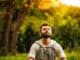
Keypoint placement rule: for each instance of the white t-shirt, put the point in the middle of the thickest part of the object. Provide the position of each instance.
(58, 49)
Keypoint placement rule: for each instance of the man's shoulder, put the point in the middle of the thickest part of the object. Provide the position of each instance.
(55, 43)
(35, 43)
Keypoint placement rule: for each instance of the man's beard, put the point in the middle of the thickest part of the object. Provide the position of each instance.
(45, 36)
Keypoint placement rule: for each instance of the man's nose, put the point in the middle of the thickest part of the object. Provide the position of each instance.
(46, 30)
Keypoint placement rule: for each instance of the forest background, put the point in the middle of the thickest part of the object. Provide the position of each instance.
(20, 21)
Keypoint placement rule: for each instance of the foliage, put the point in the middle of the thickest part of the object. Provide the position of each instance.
(64, 20)
(65, 24)
(73, 55)
(26, 40)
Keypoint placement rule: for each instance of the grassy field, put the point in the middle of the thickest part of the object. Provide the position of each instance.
(17, 57)
(70, 56)
(73, 55)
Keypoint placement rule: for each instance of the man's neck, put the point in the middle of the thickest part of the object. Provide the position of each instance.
(46, 41)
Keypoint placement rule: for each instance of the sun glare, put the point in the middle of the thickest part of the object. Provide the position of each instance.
(71, 2)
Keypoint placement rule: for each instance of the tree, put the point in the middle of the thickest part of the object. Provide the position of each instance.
(16, 26)
(11, 29)
(5, 34)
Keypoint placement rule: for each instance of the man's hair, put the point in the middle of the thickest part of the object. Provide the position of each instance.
(45, 24)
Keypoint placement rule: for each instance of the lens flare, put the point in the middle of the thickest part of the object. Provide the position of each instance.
(71, 2)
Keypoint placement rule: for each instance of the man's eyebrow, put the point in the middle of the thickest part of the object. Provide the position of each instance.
(46, 28)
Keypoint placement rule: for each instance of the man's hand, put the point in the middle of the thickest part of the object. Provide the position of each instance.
(64, 58)
(30, 58)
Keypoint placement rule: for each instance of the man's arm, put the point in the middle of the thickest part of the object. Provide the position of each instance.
(64, 58)
(32, 52)
(60, 52)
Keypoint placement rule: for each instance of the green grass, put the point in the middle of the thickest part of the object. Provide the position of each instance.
(70, 56)
(73, 55)
(17, 57)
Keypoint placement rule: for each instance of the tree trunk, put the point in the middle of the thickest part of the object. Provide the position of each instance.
(5, 33)
(17, 25)
(13, 42)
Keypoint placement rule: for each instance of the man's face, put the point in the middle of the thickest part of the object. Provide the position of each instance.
(46, 32)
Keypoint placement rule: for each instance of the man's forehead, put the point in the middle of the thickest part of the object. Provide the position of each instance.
(46, 27)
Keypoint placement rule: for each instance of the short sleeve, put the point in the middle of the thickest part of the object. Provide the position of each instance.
(59, 51)
(32, 52)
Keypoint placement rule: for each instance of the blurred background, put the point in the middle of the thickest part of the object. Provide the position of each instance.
(20, 21)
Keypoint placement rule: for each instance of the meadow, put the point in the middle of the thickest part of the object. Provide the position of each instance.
(73, 55)
(70, 56)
